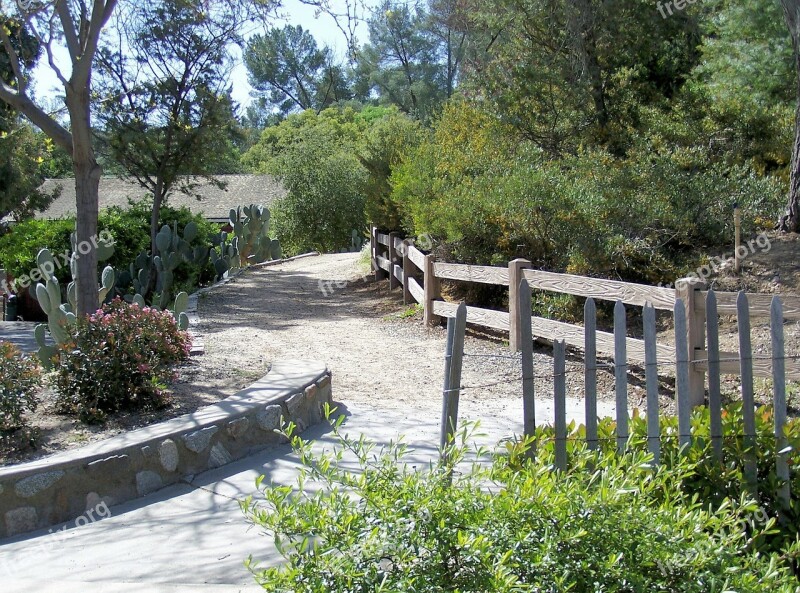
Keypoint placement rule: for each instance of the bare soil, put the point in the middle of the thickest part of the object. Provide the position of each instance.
(328, 308)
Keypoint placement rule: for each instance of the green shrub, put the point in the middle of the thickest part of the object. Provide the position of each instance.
(20, 378)
(118, 359)
(130, 228)
(611, 523)
(711, 480)
(20, 245)
(334, 165)
(488, 196)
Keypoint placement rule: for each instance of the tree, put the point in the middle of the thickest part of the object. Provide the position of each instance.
(570, 73)
(402, 59)
(292, 72)
(166, 112)
(75, 26)
(791, 220)
(20, 174)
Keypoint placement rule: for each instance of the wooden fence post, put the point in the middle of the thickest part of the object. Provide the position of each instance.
(528, 393)
(515, 268)
(408, 298)
(373, 247)
(432, 291)
(393, 282)
(779, 403)
(687, 290)
(456, 329)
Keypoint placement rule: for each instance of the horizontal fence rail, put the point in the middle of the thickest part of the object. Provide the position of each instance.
(420, 277)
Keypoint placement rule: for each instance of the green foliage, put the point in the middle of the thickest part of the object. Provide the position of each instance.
(713, 480)
(19, 246)
(385, 145)
(119, 358)
(373, 522)
(315, 156)
(292, 72)
(401, 61)
(130, 229)
(21, 156)
(641, 217)
(20, 378)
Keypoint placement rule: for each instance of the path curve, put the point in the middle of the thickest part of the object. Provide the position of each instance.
(328, 308)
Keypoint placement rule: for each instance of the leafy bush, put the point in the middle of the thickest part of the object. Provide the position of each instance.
(118, 359)
(611, 523)
(713, 480)
(20, 377)
(489, 196)
(333, 165)
(130, 228)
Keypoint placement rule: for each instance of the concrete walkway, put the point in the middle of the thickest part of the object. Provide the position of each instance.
(193, 537)
(20, 333)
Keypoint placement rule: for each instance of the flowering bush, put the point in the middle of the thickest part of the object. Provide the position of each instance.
(19, 378)
(120, 358)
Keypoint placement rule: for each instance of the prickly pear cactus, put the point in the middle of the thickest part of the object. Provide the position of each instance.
(60, 316)
(252, 232)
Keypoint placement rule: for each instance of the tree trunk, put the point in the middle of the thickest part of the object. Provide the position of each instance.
(87, 185)
(790, 222)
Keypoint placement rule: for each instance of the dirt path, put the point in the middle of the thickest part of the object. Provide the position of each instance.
(325, 308)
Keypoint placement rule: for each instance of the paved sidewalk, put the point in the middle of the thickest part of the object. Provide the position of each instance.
(21, 334)
(195, 534)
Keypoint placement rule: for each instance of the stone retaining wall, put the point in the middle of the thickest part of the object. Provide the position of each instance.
(63, 487)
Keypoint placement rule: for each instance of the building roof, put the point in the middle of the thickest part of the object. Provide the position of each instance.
(214, 203)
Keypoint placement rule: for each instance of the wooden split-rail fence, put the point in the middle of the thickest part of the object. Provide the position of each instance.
(694, 355)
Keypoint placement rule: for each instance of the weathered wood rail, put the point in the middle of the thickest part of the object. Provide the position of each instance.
(420, 276)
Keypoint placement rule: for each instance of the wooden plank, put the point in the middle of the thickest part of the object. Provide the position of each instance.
(598, 288)
(383, 263)
(560, 403)
(393, 281)
(382, 239)
(481, 274)
(416, 290)
(682, 379)
(762, 365)
(779, 404)
(590, 371)
(573, 335)
(475, 315)
(432, 290)
(398, 274)
(416, 256)
(695, 337)
(760, 304)
(515, 305)
(621, 375)
(405, 272)
(452, 391)
(397, 240)
(651, 380)
(748, 400)
(526, 345)
(714, 392)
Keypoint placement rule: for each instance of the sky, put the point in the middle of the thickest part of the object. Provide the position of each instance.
(293, 12)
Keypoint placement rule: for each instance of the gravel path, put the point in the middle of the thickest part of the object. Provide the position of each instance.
(326, 308)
